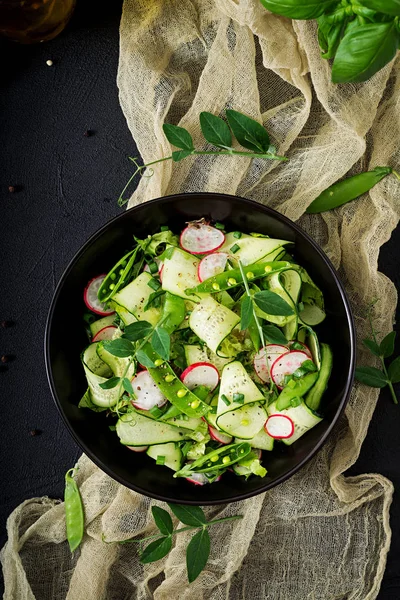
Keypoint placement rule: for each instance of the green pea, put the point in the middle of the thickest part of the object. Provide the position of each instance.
(232, 281)
(112, 286)
(195, 404)
(214, 458)
(113, 275)
(226, 460)
(181, 393)
(168, 378)
(158, 362)
(74, 517)
(215, 286)
(250, 275)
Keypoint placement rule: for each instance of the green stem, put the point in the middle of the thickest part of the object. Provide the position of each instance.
(239, 153)
(396, 174)
(224, 519)
(390, 384)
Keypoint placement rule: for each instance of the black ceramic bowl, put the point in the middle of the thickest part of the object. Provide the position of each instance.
(65, 339)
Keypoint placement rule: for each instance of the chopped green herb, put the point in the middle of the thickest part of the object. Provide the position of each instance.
(238, 398)
(164, 228)
(225, 400)
(160, 460)
(154, 284)
(156, 412)
(234, 248)
(153, 267)
(112, 427)
(219, 226)
(186, 447)
(237, 235)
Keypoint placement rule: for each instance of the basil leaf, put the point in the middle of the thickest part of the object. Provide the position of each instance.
(126, 384)
(248, 132)
(161, 342)
(387, 345)
(364, 50)
(215, 130)
(137, 331)
(162, 520)
(179, 155)
(388, 7)
(372, 347)
(370, 376)
(272, 304)
(197, 554)
(274, 335)
(110, 383)
(394, 370)
(178, 136)
(156, 550)
(144, 360)
(299, 9)
(246, 312)
(189, 515)
(329, 36)
(120, 347)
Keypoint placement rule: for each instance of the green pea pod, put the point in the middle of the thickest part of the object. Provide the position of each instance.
(233, 278)
(117, 277)
(74, 517)
(349, 189)
(174, 308)
(216, 459)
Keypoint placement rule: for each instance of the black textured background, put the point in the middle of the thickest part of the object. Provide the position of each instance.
(68, 185)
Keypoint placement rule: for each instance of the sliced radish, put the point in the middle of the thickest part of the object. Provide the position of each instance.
(90, 297)
(147, 393)
(201, 239)
(287, 364)
(201, 373)
(271, 353)
(105, 334)
(200, 479)
(137, 448)
(159, 264)
(258, 452)
(160, 271)
(211, 265)
(279, 426)
(218, 436)
(304, 348)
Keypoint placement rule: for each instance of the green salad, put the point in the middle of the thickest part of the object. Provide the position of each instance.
(203, 347)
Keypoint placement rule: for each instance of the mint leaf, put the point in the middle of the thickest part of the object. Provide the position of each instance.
(387, 344)
(189, 515)
(137, 331)
(179, 155)
(274, 335)
(246, 312)
(272, 304)
(161, 342)
(178, 136)
(110, 383)
(126, 384)
(156, 550)
(215, 130)
(144, 360)
(372, 347)
(197, 554)
(249, 133)
(162, 520)
(120, 347)
(371, 376)
(394, 370)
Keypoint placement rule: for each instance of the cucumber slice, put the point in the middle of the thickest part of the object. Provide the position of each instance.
(287, 284)
(195, 354)
(313, 344)
(133, 298)
(236, 380)
(173, 457)
(213, 323)
(180, 273)
(313, 398)
(96, 326)
(302, 416)
(117, 365)
(185, 422)
(134, 429)
(252, 249)
(126, 317)
(261, 440)
(243, 422)
(98, 372)
(312, 315)
(94, 363)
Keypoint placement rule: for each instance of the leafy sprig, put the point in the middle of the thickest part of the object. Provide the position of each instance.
(249, 133)
(198, 550)
(386, 376)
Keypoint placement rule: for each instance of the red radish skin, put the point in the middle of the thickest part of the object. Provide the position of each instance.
(159, 264)
(90, 297)
(160, 271)
(280, 427)
(304, 348)
(218, 436)
(105, 334)
(201, 373)
(201, 239)
(286, 364)
(211, 265)
(200, 479)
(273, 351)
(147, 393)
(137, 448)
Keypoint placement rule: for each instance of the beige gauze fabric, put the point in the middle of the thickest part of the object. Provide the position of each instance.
(321, 535)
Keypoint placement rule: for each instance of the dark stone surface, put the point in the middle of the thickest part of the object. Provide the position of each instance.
(66, 188)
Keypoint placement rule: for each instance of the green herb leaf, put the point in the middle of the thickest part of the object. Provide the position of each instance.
(137, 331)
(394, 370)
(161, 342)
(178, 136)
(197, 554)
(274, 335)
(364, 50)
(248, 132)
(329, 36)
(110, 383)
(189, 515)
(126, 384)
(144, 360)
(299, 9)
(308, 366)
(387, 345)
(156, 550)
(162, 519)
(371, 376)
(272, 304)
(372, 347)
(246, 312)
(215, 130)
(179, 155)
(388, 7)
(120, 347)
(154, 300)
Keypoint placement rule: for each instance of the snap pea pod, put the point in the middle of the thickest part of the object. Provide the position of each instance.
(216, 459)
(176, 392)
(117, 276)
(74, 517)
(233, 278)
(173, 312)
(295, 389)
(349, 189)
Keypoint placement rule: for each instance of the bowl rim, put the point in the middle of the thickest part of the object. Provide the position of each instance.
(349, 380)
